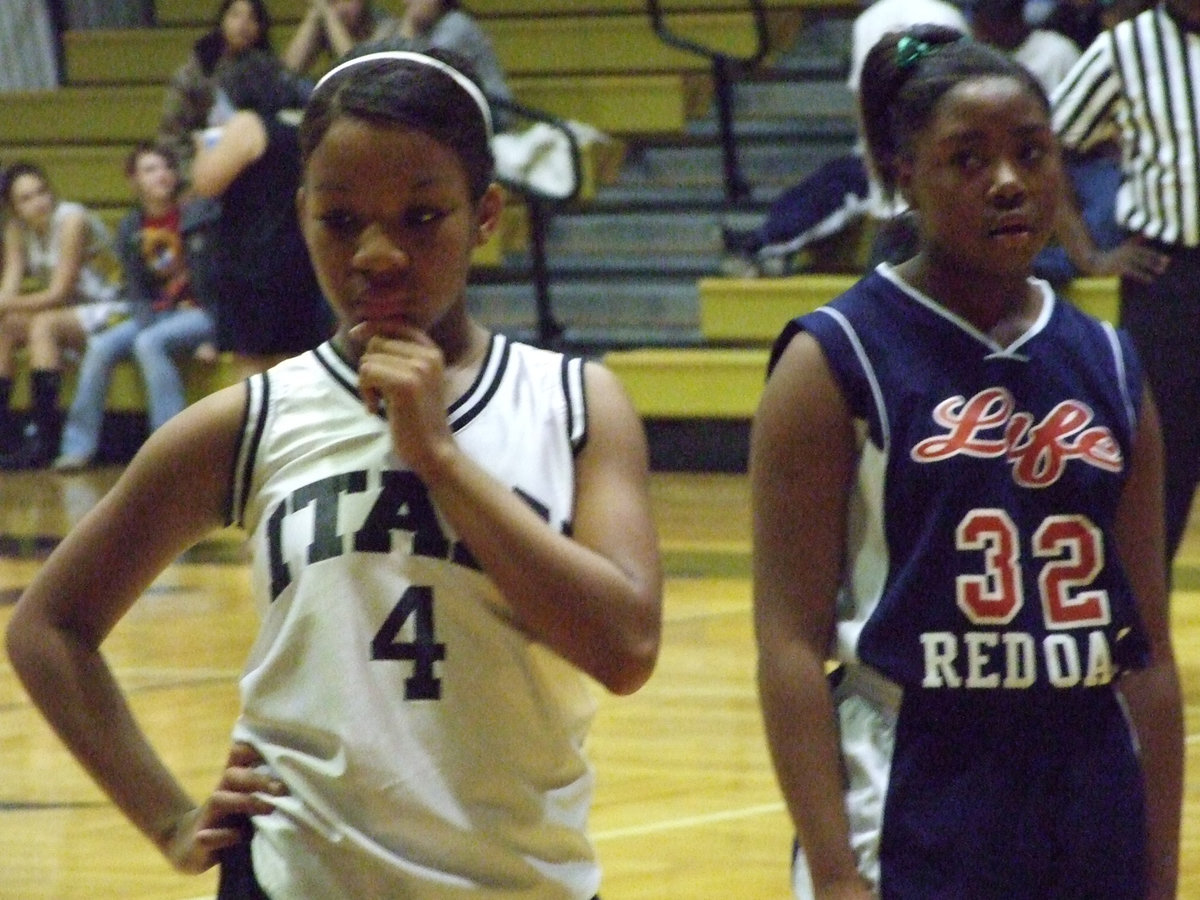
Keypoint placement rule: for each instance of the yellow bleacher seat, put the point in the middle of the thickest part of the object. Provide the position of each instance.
(753, 310)
(189, 12)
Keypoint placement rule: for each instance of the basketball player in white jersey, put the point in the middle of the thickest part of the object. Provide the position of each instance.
(451, 538)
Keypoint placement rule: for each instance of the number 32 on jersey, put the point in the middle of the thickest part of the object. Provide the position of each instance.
(1070, 549)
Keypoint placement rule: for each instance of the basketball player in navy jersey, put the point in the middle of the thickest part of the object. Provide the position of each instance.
(451, 537)
(957, 497)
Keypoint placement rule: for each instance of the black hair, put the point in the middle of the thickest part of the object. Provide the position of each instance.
(10, 175)
(144, 148)
(211, 46)
(409, 94)
(257, 80)
(906, 74)
(997, 10)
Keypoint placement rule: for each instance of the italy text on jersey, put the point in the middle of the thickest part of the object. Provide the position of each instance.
(344, 518)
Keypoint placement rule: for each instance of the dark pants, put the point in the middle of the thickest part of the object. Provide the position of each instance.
(237, 875)
(1163, 318)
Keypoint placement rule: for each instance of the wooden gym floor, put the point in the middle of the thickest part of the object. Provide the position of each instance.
(686, 805)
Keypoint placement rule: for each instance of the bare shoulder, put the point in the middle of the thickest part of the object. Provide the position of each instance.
(612, 418)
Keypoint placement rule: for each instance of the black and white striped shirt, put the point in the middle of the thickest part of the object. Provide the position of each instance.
(1143, 77)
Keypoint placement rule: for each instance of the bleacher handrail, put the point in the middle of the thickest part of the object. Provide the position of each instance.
(658, 21)
(541, 205)
(724, 68)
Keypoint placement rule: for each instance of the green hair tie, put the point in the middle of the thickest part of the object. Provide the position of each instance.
(911, 50)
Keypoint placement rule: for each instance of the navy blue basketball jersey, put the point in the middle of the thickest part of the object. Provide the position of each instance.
(988, 483)
(983, 614)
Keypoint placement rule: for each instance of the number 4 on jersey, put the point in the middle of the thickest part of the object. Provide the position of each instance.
(422, 649)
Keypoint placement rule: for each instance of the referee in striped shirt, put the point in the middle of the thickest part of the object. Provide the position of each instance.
(1142, 78)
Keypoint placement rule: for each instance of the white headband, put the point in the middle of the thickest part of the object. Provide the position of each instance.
(462, 80)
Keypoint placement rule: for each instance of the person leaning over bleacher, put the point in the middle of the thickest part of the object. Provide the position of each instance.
(166, 288)
(193, 101)
(53, 293)
(267, 303)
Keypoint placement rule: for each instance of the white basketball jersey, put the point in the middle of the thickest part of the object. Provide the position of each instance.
(431, 749)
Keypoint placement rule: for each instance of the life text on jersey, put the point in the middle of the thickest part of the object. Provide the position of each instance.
(1068, 550)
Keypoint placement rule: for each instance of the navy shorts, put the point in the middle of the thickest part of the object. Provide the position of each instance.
(237, 875)
(1013, 796)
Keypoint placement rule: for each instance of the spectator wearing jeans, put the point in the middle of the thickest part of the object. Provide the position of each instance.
(55, 290)
(164, 284)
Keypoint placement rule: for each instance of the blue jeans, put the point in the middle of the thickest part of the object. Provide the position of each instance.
(154, 339)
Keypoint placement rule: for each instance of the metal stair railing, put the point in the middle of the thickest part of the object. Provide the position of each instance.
(724, 70)
(542, 205)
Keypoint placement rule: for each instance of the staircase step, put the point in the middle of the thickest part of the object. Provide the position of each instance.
(619, 311)
(771, 166)
(686, 267)
(794, 100)
(683, 200)
(691, 383)
(634, 234)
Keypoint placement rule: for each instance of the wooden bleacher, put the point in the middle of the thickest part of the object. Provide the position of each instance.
(740, 317)
(603, 66)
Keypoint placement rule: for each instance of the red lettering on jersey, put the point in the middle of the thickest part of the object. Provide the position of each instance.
(1038, 452)
(966, 420)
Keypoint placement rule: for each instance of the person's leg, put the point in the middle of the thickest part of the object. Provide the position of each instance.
(40, 438)
(81, 432)
(50, 333)
(158, 348)
(14, 329)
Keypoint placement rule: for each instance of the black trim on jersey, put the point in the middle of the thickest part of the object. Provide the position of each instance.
(574, 388)
(339, 368)
(233, 498)
(251, 440)
(486, 383)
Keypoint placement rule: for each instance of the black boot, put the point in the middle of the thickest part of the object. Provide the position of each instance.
(39, 445)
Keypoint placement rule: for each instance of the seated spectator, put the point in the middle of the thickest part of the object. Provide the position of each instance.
(837, 218)
(192, 103)
(164, 286)
(443, 24)
(817, 225)
(333, 27)
(538, 157)
(54, 292)
(1047, 54)
(267, 302)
